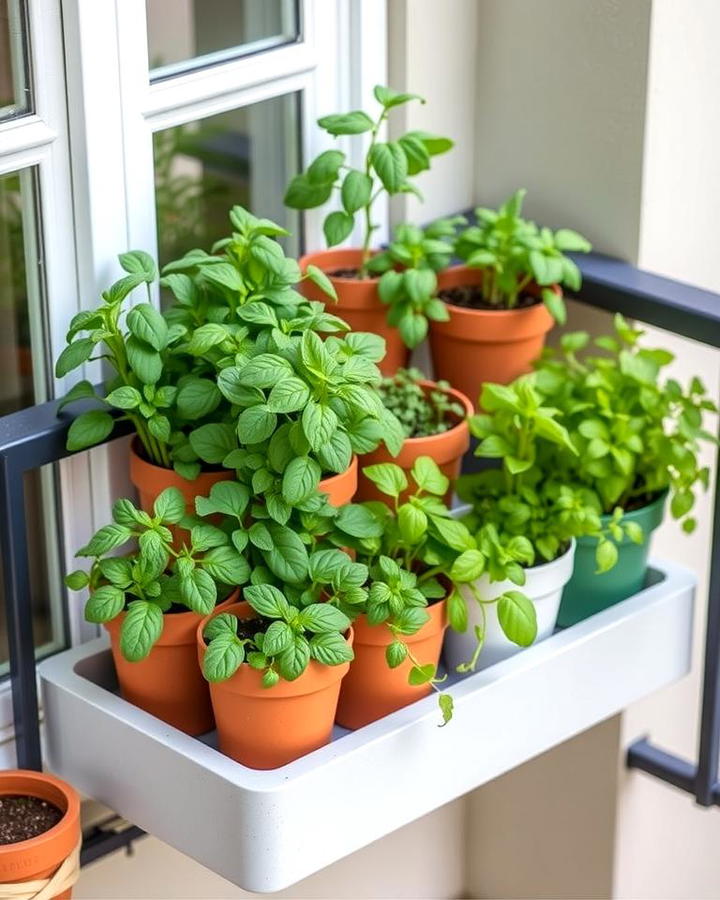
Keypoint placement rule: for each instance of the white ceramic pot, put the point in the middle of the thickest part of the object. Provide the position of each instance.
(543, 585)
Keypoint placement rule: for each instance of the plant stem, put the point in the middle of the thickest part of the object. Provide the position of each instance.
(369, 227)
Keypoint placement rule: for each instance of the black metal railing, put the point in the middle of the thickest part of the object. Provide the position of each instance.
(35, 437)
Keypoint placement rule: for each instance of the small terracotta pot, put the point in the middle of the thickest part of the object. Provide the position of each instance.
(447, 449)
(371, 688)
(151, 480)
(41, 856)
(341, 488)
(359, 303)
(168, 683)
(479, 345)
(264, 728)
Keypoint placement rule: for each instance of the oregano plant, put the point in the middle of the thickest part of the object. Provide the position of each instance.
(388, 166)
(421, 412)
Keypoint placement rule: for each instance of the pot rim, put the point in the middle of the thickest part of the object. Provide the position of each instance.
(306, 260)
(463, 423)
(655, 506)
(510, 313)
(70, 815)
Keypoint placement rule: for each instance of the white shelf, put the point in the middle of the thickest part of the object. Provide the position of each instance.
(267, 830)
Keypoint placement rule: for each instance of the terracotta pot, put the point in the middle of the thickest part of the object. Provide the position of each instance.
(479, 345)
(358, 303)
(41, 856)
(447, 449)
(151, 480)
(371, 688)
(264, 728)
(168, 683)
(341, 488)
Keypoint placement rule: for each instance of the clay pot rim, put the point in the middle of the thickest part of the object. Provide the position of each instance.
(437, 623)
(457, 395)
(335, 478)
(240, 610)
(70, 815)
(307, 260)
(509, 313)
(138, 460)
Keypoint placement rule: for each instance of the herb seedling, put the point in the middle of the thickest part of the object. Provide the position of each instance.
(514, 252)
(421, 413)
(388, 166)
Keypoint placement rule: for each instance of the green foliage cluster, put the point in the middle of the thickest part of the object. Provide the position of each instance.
(388, 167)
(421, 412)
(515, 253)
(153, 578)
(234, 373)
(636, 433)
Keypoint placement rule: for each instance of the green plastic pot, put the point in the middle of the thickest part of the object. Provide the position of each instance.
(588, 593)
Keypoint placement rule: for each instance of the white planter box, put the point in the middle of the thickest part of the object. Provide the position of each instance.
(267, 830)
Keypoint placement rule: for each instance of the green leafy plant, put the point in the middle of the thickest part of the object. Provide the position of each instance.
(148, 581)
(524, 513)
(299, 405)
(388, 166)
(515, 253)
(637, 434)
(280, 642)
(420, 412)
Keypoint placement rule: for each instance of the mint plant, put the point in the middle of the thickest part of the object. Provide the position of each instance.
(388, 166)
(636, 433)
(148, 581)
(514, 253)
(420, 413)
(280, 643)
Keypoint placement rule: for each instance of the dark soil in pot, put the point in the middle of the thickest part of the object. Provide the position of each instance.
(23, 818)
(469, 296)
(350, 273)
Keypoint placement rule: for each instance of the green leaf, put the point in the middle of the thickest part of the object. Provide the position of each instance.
(293, 661)
(325, 167)
(289, 395)
(170, 505)
(322, 617)
(467, 567)
(413, 328)
(289, 557)
(223, 657)
(417, 156)
(517, 618)
(396, 654)
(330, 649)
(224, 623)
(388, 478)
(212, 442)
(555, 305)
(319, 423)
(304, 194)
(390, 163)
(570, 241)
(199, 592)
(83, 390)
(226, 497)
(606, 555)
(446, 704)
(421, 674)
(452, 533)
(225, 275)
(197, 398)
(300, 479)
(388, 98)
(107, 538)
(104, 604)
(359, 521)
(336, 455)
(356, 191)
(278, 638)
(355, 122)
(433, 143)
(457, 611)
(205, 536)
(140, 630)
(256, 424)
(412, 524)
(138, 262)
(148, 325)
(125, 397)
(145, 362)
(337, 226)
(267, 600)
(205, 338)
(428, 476)
(319, 278)
(88, 429)
(77, 580)
(74, 355)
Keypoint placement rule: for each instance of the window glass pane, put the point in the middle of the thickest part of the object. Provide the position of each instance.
(187, 34)
(22, 369)
(202, 169)
(14, 76)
